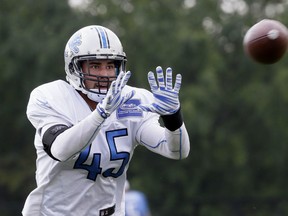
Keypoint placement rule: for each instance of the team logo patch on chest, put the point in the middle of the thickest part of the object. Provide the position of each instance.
(129, 109)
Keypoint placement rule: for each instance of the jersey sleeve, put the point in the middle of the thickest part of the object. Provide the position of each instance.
(44, 113)
(41, 114)
(158, 139)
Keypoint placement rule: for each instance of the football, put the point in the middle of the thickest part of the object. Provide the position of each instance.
(266, 41)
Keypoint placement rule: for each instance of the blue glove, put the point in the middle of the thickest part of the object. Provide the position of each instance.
(166, 98)
(114, 97)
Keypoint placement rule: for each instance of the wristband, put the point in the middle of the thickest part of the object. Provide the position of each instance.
(174, 121)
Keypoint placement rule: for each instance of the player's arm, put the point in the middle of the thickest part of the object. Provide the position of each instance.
(62, 142)
(172, 144)
(173, 140)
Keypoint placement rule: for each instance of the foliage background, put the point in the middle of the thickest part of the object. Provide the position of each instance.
(234, 108)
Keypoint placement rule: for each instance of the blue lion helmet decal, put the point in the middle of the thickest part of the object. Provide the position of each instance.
(75, 42)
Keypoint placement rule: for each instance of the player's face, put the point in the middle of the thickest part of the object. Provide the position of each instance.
(98, 73)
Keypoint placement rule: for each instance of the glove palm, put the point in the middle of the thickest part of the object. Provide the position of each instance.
(166, 98)
(115, 97)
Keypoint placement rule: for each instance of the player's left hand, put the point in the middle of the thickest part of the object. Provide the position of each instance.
(166, 98)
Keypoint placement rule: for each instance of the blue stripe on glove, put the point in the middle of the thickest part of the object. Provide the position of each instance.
(166, 98)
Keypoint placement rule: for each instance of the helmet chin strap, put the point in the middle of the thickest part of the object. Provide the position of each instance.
(96, 97)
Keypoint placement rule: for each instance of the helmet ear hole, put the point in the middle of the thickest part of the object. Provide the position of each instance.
(71, 68)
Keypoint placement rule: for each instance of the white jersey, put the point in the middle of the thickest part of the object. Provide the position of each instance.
(94, 178)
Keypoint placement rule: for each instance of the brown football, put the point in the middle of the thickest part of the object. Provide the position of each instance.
(266, 41)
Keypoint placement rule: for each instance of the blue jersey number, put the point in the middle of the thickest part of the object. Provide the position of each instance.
(94, 168)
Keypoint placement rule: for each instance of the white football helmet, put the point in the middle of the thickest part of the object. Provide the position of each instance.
(92, 43)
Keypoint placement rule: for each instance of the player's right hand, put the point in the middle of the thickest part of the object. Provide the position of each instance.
(115, 97)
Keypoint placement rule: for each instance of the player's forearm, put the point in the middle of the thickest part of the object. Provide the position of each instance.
(76, 138)
(176, 135)
(171, 144)
(178, 142)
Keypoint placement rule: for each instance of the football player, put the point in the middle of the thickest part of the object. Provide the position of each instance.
(136, 203)
(88, 127)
